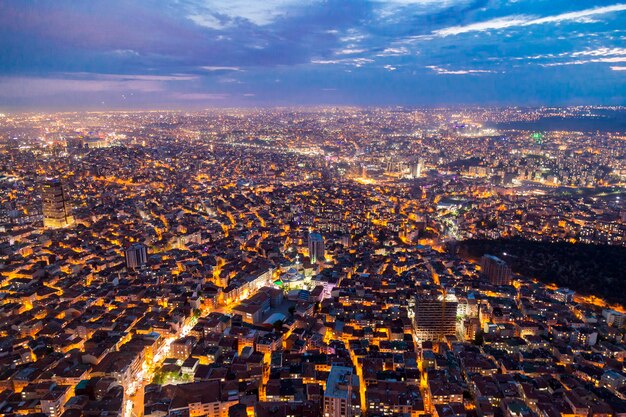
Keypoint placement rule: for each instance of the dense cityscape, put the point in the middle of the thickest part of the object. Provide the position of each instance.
(322, 261)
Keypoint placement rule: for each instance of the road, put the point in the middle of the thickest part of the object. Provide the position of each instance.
(134, 395)
(359, 372)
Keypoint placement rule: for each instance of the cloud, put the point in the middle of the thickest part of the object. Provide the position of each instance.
(618, 68)
(499, 23)
(209, 21)
(349, 51)
(220, 68)
(356, 62)
(394, 51)
(125, 52)
(600, 52)
(615, 59)
(445, 71)
(596, 55)
(230, 80)
(220, 14)
(207, 49)
(353, 35)
(581, 16)
(395, 9)
(327, 61)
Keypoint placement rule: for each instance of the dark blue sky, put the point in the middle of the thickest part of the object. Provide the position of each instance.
(89, 54)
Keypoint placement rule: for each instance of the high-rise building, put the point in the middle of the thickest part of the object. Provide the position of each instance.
(415, 168)
(56, 209)
(420, 167)
(342, 395)
(496, 270)
(136, 255)
(316, 247)
(435, 316)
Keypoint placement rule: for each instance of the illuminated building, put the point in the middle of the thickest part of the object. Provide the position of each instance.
(435, 316)
(316, 247)
(564, 295)
(614, 318)
(136, 255)
(496, 270)
(56, 208)
(416, 168)
(341, 398)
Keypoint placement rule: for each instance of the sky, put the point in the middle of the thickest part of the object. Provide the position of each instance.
(158, 54)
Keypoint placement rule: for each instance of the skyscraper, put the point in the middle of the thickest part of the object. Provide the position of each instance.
(136, 255)
(415, 168)
(435, 316)
(56, 208)
(496, 270)
(316, 247)
(342, 395)
(420, 167)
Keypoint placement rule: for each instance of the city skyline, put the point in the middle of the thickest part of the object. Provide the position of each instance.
(314, 208)
(199, 54)
(335, 262)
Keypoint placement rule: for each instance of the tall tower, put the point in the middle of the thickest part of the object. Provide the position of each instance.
(435, 316)
(416, 168)
(136, 255)
(420, 168)
(56, 209)
(496, 270)
(316, 247)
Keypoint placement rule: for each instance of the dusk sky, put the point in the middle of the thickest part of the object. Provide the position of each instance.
(116, 54)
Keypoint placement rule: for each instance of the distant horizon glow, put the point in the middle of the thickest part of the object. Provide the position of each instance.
(195, 54)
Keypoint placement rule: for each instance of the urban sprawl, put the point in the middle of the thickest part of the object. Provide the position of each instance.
(302, 262)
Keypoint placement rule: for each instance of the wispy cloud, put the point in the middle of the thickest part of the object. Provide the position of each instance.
(600, 52)
(581, 16)
(327, 61)
(356, 62)
(349, 51)
(397, 51)
(219, 14)
(208, 21)
(615, 59)
(220, 68)
(499, 23)
(444, 71)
